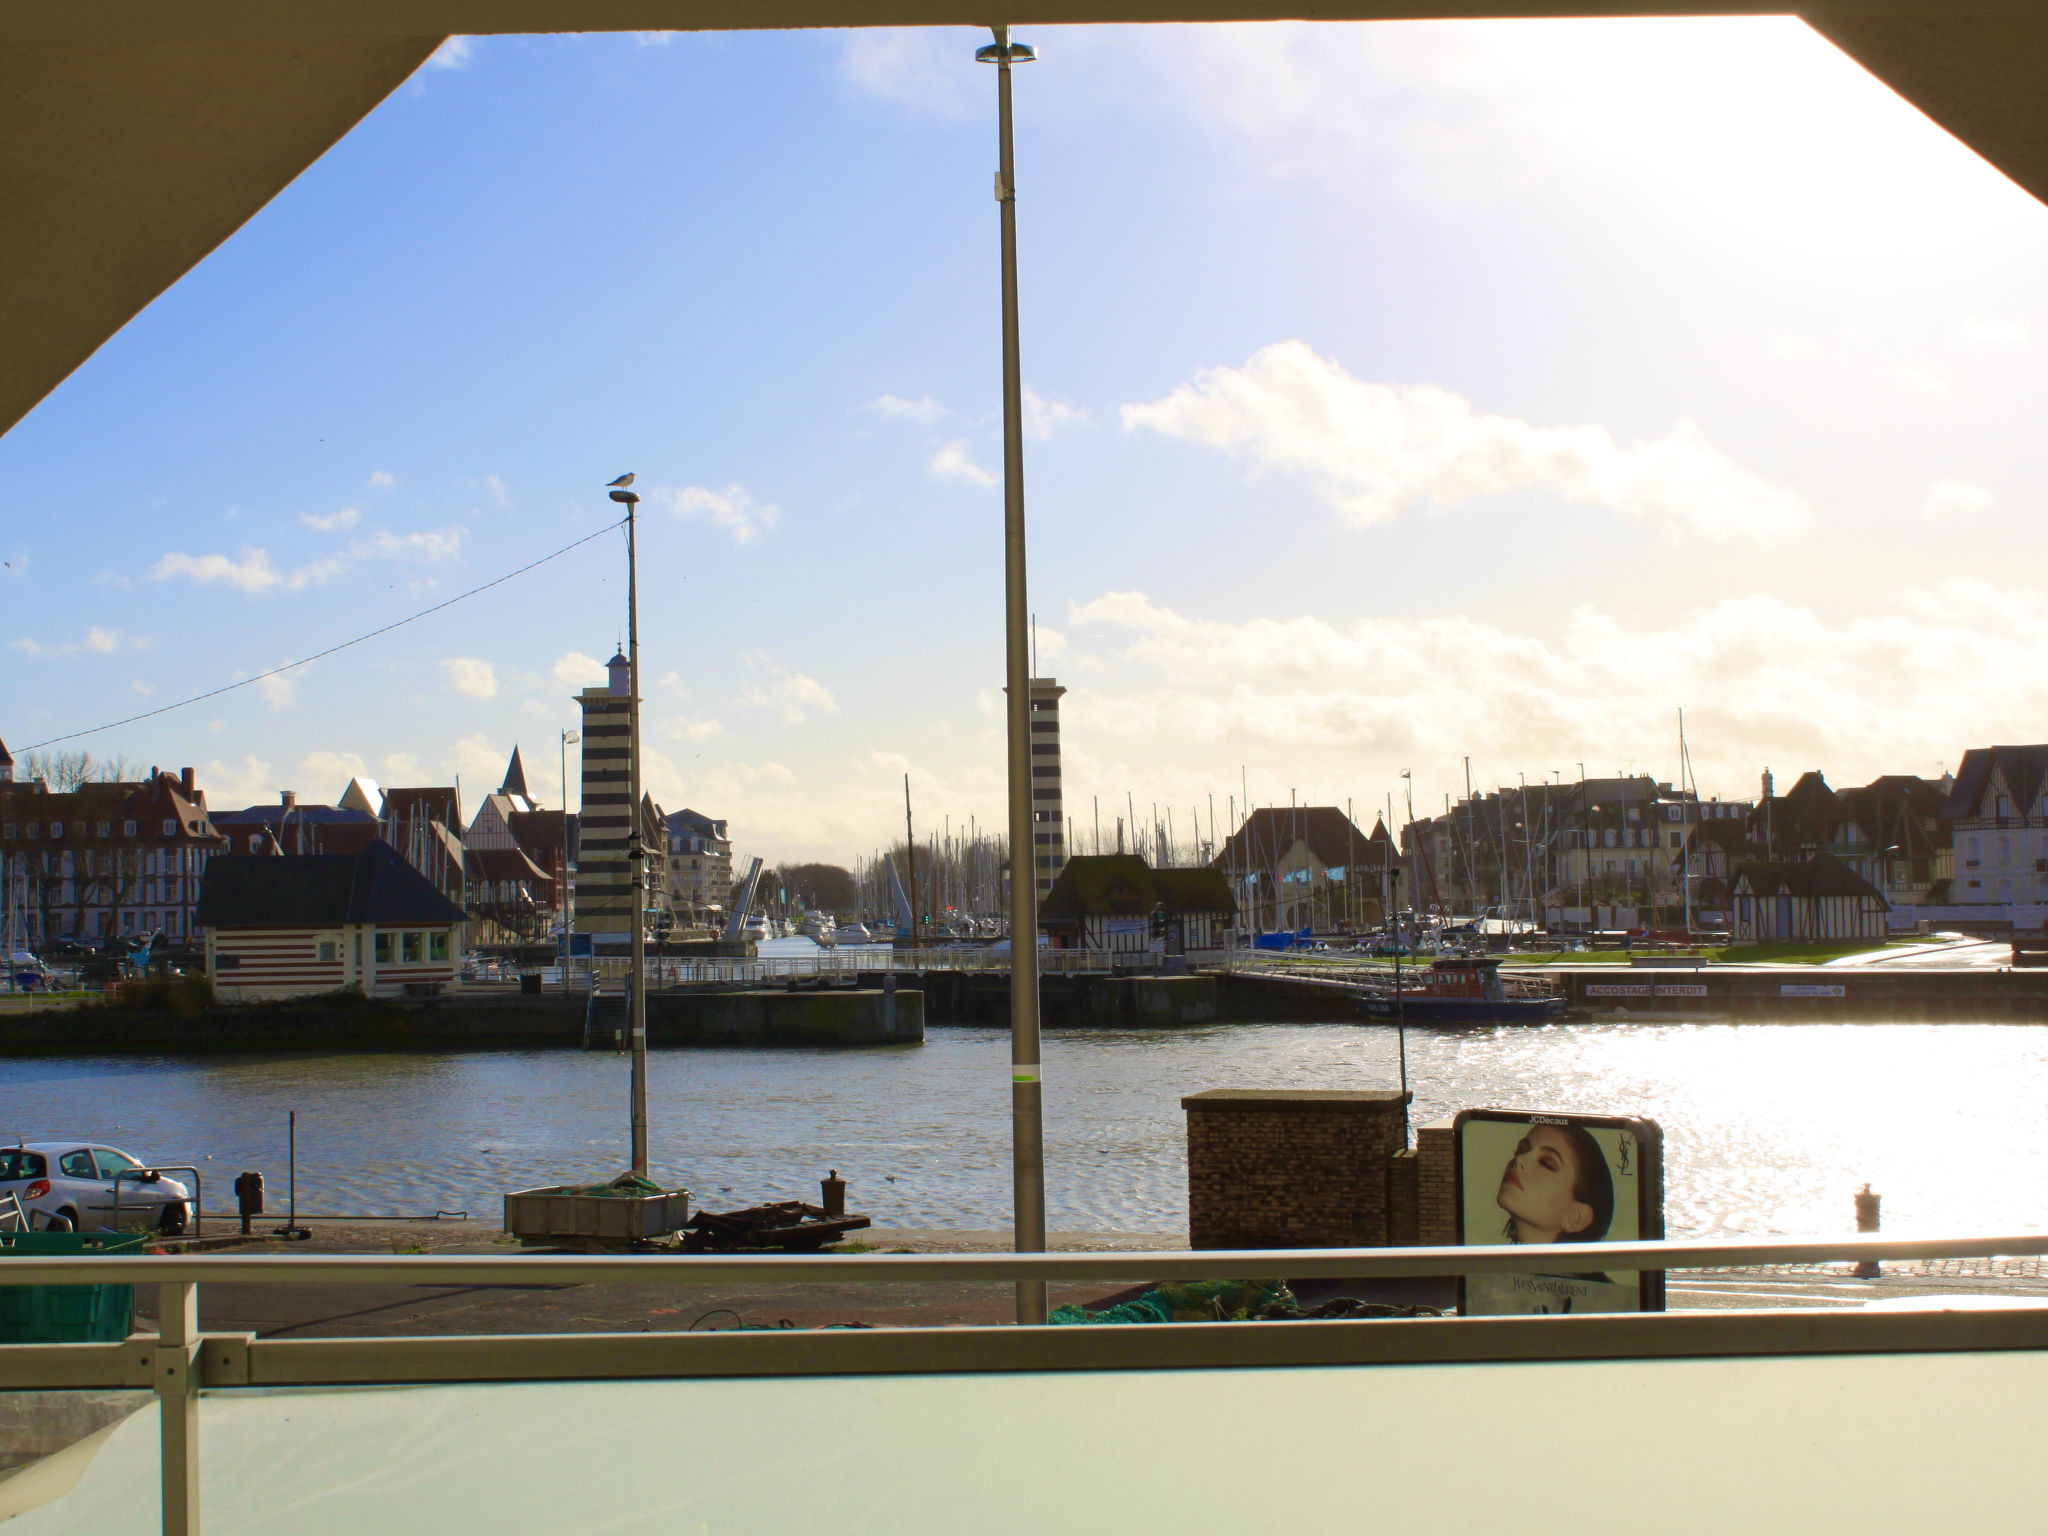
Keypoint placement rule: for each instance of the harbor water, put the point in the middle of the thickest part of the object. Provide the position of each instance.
(1769, 1128)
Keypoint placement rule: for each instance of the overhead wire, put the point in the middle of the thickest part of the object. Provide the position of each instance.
(293, 666)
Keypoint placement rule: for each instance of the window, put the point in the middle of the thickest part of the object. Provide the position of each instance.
(17, 1163)
(56, 829)
(112, 1162)
(437, 946)
(171, 924)
(35, 829)
(330, 951)
(127, 829)
(384, 949)
(171, 826)
(77, 1165)
(409, 947)
(106, 829)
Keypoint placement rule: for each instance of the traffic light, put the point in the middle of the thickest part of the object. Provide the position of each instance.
(1155, 925)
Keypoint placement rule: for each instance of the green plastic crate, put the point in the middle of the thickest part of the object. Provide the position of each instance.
(65, 1314)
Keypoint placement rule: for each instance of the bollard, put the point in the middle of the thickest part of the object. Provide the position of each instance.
(249, 1196)
(835, 1194)
(1867, 1221)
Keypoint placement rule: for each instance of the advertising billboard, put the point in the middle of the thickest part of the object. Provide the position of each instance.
(1530, 1177)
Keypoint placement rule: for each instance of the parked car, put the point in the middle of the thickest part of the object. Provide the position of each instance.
(68, 1186)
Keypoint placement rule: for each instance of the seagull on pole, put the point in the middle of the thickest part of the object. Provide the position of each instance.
(621, 483)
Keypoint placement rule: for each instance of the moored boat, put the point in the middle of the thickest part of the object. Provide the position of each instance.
(1466, 991)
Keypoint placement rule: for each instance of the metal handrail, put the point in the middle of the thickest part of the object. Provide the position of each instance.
(1176, 1264)
(180, 1359)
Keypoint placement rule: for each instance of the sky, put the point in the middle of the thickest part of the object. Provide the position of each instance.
(1398, 393)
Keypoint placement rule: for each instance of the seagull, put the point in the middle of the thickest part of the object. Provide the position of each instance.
(621, 483)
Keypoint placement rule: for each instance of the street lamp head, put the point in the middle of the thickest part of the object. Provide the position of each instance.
(1005, 53)
(626, 498)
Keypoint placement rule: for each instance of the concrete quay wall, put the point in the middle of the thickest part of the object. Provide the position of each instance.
(817, 1017)
(1078, 1002)
(1807, 994)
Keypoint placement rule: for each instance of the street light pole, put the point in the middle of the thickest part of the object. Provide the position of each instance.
(1027, 1117)
(636, 848)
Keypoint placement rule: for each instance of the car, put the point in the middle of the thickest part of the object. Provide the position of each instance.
(69, 1186)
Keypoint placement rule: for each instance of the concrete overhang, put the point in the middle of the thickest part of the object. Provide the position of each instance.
(136, 135)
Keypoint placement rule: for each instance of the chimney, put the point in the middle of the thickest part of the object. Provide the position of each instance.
(185, 781)
(290, 797)
(1767, 783)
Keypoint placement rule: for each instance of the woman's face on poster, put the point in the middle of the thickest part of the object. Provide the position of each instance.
(1539, 1187)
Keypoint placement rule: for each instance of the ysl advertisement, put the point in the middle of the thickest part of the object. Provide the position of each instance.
(1533, 1177)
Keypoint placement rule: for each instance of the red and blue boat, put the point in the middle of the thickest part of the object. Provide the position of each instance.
(1465, 991)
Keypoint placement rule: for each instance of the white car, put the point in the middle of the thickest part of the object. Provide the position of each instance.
(66, 1186)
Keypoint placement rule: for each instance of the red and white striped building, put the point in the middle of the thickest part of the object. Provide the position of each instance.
(366, 923)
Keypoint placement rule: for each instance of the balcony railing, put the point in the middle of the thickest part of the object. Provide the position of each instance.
(180, 1360)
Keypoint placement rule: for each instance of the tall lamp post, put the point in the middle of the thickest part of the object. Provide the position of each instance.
(636, 849)
(1027, 1118)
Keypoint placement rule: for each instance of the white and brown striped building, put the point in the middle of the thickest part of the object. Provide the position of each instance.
(297, 925)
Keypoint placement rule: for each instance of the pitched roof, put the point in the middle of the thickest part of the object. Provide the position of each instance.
(515, 776)
(538, 830)
(500, 864)
(439, 802)
(301, 890)
(1822, 875)
(1124, 885)
(6, 757)
(1270, 831)
(2022, 769)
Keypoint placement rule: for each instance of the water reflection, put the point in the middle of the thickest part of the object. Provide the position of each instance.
(1769, 1128)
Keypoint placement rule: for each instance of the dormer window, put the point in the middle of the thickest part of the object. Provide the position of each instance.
(127, 829)
(171, 826)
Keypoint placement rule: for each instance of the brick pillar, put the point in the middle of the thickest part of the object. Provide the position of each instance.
(1291, 1168)
(1436, 1186)
(1403, 1218)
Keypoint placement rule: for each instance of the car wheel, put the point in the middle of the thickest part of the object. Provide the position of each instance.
(62, 1222)
(172, 1222)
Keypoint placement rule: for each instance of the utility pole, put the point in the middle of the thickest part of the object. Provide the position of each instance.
(1027, 1117)
(636, 845)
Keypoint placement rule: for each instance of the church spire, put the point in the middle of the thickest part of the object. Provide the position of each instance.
(515, 778)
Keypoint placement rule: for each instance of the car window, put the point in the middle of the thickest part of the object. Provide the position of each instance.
(77, 1165)
(16, 1163)
(112, 1162)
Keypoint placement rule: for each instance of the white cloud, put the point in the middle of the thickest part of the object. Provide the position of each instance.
(1043, 417)
(731, 509)
(1374, 450)
(280, 690)
(498, 493)
(915, 67)
(953, 462)
(479, 760)
(1923, 381)
(1992, 332)
(792, 695)
(326, 773)
(138, 686)
(576, 671)
(401, 768)
(455, 53)
(680, 729)
(1763, 683)
(425, 546)
(468, 674)
(97, 642)
(383, 480)
(1956, 500)
(252, 573)
(332, 522)
(654, 39)
(923, 411)
(232, 785)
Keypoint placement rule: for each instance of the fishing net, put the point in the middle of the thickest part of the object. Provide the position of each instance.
(1231, 1301)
